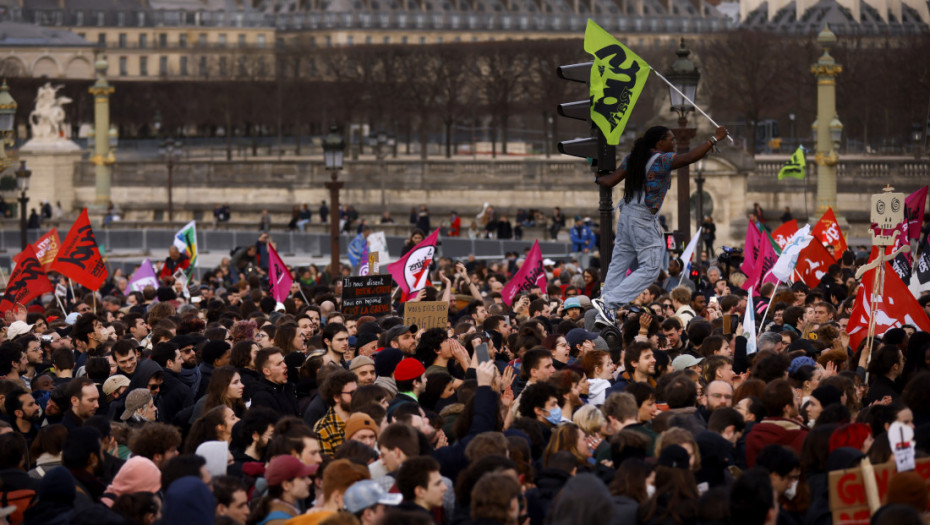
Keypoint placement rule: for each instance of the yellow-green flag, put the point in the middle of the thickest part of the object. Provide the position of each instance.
(617, 78)
(795, 166)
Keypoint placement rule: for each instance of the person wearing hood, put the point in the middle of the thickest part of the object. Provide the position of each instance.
(216, 453)
(139, 474)
(148, 376)
(188, 500)
(214, 354)
(54, 499)
(174, 395)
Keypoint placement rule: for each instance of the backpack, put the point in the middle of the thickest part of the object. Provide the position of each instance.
(21, 499)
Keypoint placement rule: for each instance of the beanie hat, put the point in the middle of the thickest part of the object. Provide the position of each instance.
(359, 362)
(57, 485)
(216, 453)
(138, 474)
(363, 339)
(165, 294)
(800, 361)
(852, 435)
(908, 488)
(359, 421)
(408, 369)
(827, 395)
(386, 360)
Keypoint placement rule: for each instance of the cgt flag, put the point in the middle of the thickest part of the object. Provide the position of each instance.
(45, 248)
(531, 273)
(411, 272)
(813, 262)
(618, 76)
(784, 232)
(895, 307)
(79, 257)
(795, 168)
(279, 278)
(827, 231)
(27, 282)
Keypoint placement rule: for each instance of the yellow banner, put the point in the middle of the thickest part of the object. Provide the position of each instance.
(795, 167)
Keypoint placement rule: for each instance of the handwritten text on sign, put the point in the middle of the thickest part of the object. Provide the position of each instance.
(366, 295)
(426, 314)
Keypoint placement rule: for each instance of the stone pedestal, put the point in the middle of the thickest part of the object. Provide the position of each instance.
(52, 166)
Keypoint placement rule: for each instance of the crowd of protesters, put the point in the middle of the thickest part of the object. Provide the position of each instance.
(224, 406)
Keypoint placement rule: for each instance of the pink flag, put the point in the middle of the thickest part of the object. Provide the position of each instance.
(279, 278)
(764, 263)
(914, 206)
(751, 249)
(411, 272)
(531, 273)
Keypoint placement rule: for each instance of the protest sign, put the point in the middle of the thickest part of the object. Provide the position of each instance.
(426, 314)
(848, 493)
(366, 295)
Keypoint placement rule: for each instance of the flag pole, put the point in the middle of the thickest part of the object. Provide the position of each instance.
(767, 306)
(63, 309)
(701, 111)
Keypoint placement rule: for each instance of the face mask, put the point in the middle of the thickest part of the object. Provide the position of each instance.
(650, 490)
(792, 490)
(555, 416)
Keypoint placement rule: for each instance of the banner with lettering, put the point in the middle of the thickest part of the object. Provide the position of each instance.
(914, 207)
(45, 248)
(368, 295)
(784, 232)
(618, 76)
(828, 232)
(79, 257)
(143, 276)
(279, 278)
(895, 307)
(531, 273)
(27, 282)
(795, 168)
(813, 262)
(411, 272)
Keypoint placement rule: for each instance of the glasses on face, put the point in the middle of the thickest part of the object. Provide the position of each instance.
(187, 351)
(155, 388)
(721, 396)
(349, 393)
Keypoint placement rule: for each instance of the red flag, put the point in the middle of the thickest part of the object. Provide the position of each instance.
(828, 232)
(79, 258)
(27, 282)
(914, 206)
(279, 278)
(784, 232)
(813, 262)
(751, 249)
(45, 248)
(411, 272)
(531, 273)
(895, 307)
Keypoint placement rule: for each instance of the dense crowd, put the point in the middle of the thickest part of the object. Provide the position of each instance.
(217, 404)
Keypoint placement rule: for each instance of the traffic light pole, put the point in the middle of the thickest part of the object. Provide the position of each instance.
(606, 208)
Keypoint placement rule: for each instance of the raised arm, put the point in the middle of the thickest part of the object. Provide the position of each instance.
(700, 151)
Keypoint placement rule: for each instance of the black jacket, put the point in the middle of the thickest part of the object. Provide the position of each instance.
(250, 378)
(549, 481)
(173, 397)
(280, 398)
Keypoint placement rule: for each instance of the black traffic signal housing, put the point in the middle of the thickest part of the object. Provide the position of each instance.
(595, 148)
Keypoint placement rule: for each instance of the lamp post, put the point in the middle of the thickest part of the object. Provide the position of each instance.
(334, 146)
(829, 128)
(102, 159)
(171, 150)
(699, 171)
(685, 76)
(7, 121)
(381, 153)
(22, 182)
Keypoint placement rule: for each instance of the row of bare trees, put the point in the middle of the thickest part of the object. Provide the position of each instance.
(421, 92)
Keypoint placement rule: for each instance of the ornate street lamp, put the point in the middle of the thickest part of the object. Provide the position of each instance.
(334, 146)
(22, 183)
(7, 122)
(684, 76)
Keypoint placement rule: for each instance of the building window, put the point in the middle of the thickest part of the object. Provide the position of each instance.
(122, 40)
(162, 39)
(202, 40)
(241, 40)
(143, 66)
(403, 40)
(221, 39)
(387, 40)
(350, 40)
(102, 39)
(120, 18)
(101, 18)
(439, 40)
(329, 41)
(261, 40)
(79, 18)
(143, 41)
(123, 67)
(203, 66)
(140, 19)
(223, 67)
(182, 40)
(422, 39)
(163, 65)
(368, 39)
(183, 66)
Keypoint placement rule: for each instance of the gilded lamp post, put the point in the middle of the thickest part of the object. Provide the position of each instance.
(102, 159)
(827, 129)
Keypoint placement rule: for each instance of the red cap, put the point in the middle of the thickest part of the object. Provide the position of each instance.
(285, 468)
(408, 369)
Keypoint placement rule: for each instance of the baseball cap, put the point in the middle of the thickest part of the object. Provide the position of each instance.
(408, 369)
(571, 302)
(285, 468)
(685, 361)
(360, 361)
(367, 493)
(114, 383)
(136, 399)
(399, 330)
(577, 336)
(17, 329)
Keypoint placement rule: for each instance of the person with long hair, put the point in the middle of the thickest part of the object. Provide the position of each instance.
(225, 388)
(647, 171)
(570, 438)
(288, 338)
(215, 424)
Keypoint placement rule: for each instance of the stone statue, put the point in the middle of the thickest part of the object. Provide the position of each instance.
(47, 119)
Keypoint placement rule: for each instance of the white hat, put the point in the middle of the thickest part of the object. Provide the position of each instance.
(17, 329)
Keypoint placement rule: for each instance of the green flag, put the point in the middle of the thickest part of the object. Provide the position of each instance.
(795, 166)
(617, 78)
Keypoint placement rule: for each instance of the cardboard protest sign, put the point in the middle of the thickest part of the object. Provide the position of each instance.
(848, 498)
(366, 295)
(426, 314)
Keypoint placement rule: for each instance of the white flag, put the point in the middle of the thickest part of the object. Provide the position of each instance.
(749, 325)
(784, 266)
(689, 252)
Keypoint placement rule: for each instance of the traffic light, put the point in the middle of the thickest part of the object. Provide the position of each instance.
(595, 148)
